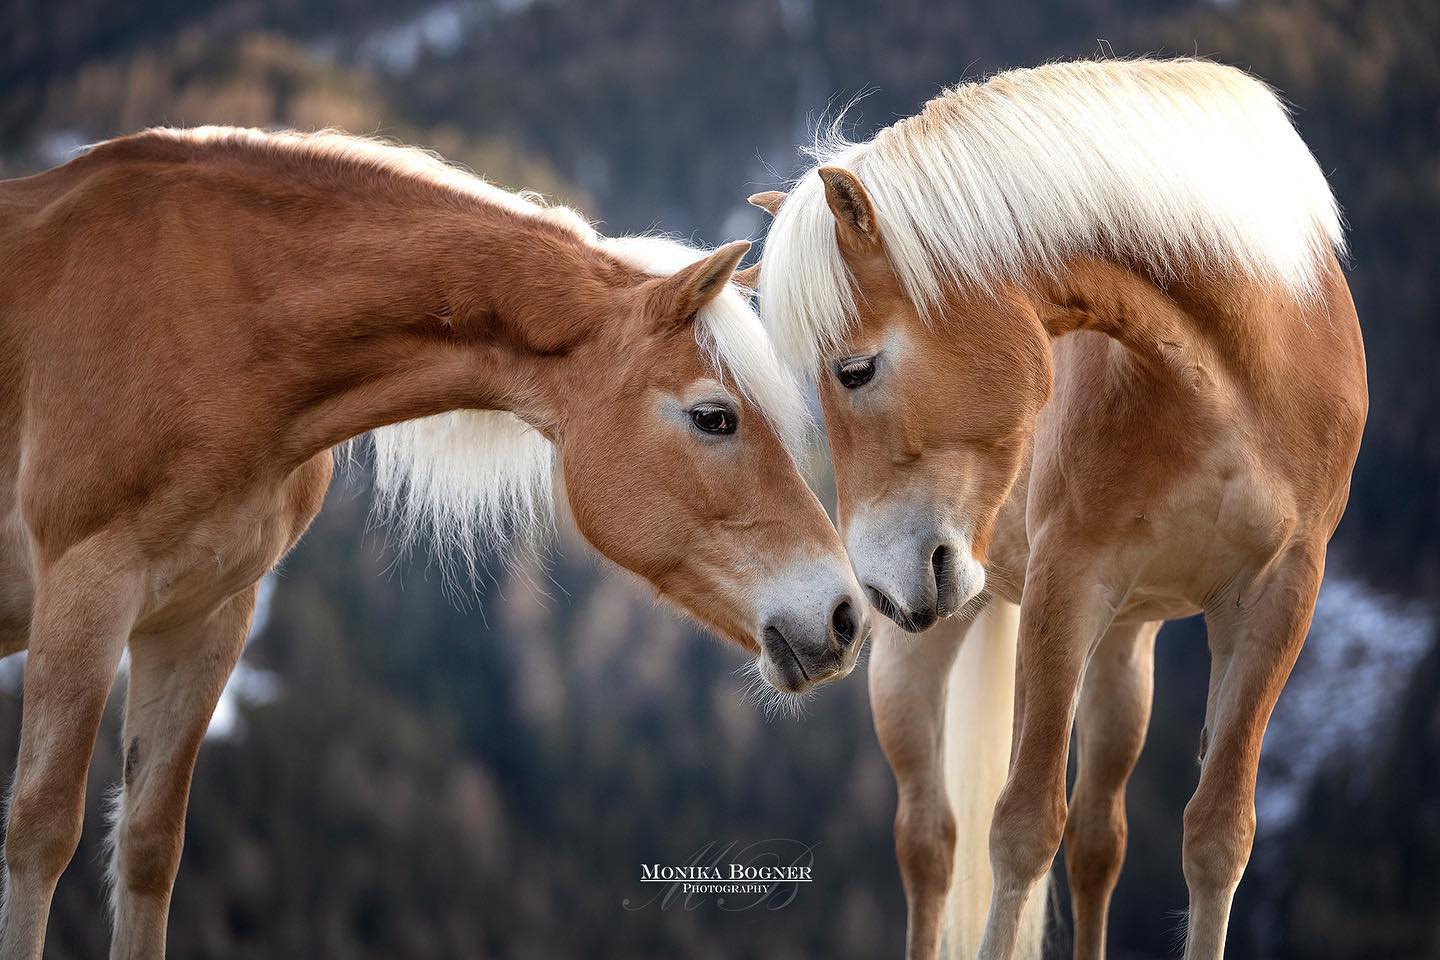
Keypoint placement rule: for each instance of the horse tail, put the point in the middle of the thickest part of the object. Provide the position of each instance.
(978, 722)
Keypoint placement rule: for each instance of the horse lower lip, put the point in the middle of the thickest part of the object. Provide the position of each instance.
(905, 620)
(919, 623)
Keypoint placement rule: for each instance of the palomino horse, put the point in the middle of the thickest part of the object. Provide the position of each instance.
(192, 320)
(1084, 343)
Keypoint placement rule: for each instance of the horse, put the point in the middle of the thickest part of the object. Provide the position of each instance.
(193, 320)
(1083, 343)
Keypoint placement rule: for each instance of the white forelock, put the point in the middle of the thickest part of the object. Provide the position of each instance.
(1180, 165)
(730, 332)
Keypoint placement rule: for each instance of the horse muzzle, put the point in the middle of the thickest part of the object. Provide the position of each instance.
(797, 653)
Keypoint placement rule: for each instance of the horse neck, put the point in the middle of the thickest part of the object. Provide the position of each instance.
(388, 311)
(1169, 330)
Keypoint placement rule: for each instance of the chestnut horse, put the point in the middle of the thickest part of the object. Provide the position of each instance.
(192, 320)
(1084, 344)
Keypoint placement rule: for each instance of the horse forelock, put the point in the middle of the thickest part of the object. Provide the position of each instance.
(729, 331)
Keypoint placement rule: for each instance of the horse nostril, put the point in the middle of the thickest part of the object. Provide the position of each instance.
(842, 621)
(940, 565)
(940, 562)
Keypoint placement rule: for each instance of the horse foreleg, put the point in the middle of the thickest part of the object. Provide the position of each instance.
(1260, 637)
(85, 605)
(908, 678)
(176, 678)
(1062, 617)
(1110, 727)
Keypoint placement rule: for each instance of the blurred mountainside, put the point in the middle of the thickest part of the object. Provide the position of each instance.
(405, 774)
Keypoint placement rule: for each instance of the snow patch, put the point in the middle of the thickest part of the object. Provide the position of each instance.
(247, 685)
(1362, 649)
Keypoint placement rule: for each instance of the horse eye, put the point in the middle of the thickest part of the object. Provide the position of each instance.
(855, 373)
(713, 418)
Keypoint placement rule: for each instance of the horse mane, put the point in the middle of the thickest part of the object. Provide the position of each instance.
(482, 479)
(479, 479)
(1175, 165)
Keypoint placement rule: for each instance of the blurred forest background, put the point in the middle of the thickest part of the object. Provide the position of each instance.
(396, 774)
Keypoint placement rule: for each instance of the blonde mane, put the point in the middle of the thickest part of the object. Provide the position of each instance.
(474, 479)
(1178, 165)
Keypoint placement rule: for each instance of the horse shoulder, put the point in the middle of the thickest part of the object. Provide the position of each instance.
(1150, 479)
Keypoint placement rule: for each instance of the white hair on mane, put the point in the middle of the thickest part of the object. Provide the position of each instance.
(471, 478)
(1176, 164)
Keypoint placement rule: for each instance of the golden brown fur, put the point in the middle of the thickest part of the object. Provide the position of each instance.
(1122, 449)
(190, 324)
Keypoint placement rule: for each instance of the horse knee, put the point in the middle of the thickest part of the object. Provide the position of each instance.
(925, 846)
(1095, 836)
(1217, 845)
(41, 835)
(1025, 834)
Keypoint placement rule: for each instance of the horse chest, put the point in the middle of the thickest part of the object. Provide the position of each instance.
(235, 545)
(1166, 540)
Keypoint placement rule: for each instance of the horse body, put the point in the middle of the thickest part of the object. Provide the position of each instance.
(1086, 324)
(192, 320)
(196, 488)
(1173, 472)
(1199, 469)
(1195, 444)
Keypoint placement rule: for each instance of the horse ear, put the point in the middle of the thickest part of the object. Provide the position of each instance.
(769, 201)
(850, 204)
(676, 299)
(749, 278)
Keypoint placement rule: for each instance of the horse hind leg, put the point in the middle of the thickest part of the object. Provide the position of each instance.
(85, 605)
(176, 679)
(1258, 642)
(1110, 724)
